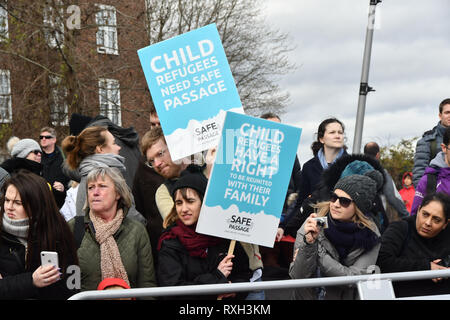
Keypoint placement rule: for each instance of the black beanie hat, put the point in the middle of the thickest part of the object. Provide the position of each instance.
(192, 177)
(78, 123)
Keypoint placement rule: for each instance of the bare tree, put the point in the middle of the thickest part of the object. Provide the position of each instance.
(256, 53)
(57, 70)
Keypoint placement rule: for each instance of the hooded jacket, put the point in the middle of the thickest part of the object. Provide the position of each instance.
(407, 192)
(437, 166)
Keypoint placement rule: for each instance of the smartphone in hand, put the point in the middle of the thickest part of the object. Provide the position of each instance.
(49, 258)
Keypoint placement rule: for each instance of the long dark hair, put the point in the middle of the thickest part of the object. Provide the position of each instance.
(48, 230)
(317, 145)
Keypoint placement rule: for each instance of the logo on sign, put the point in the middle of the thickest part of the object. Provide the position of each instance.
(238, 223)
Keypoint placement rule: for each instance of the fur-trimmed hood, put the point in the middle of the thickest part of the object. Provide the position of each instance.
(332, 175)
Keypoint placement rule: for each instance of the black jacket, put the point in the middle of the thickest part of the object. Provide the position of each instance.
(146, 182)
(52, 167)
(15, 164)
(177, 268)
(403, 249)
(17, 282)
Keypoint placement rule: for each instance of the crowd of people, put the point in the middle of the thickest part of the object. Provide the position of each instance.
(116, 206)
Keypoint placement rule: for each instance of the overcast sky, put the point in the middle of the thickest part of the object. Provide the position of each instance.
(410, 66)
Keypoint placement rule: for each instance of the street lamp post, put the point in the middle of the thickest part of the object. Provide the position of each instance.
(364, 88)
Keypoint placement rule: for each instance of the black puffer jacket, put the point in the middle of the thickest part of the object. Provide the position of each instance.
(177, 268)
(403, 249)
(328, 180)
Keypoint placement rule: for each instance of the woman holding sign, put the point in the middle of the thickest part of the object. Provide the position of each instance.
(340, 240)
(187, 257)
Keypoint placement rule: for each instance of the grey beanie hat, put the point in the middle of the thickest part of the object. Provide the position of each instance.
(23, 148)
(361, 188)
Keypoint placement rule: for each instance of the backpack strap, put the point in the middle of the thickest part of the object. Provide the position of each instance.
(431, 183)
(433, 148)
(78, 230)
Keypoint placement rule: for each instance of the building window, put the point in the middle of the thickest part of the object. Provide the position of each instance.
(54, 25)
(5, 97)
(3, 23)
(59, 110)
(107, 30)
(109, 97)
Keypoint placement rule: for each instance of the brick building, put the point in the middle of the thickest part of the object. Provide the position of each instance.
(62, 57)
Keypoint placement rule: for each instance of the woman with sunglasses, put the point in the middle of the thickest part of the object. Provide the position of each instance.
(25, 154)
(347, 244)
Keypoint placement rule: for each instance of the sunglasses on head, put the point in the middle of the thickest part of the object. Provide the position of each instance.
(45, 137)
(345, 202)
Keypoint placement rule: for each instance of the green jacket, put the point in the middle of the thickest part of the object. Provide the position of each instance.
(135, 250)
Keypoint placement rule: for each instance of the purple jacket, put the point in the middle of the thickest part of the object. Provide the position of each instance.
(438, 165)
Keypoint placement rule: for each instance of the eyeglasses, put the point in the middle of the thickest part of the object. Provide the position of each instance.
(36, 152)
(45, 137)
(159, 155)
(345, 202)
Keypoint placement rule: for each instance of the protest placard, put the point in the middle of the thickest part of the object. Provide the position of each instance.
(192, 87)
(248, 183)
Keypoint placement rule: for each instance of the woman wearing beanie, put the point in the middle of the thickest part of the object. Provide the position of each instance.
(344, 166)
(187, 257)
(25, 154)
(94, 147)
(30, 223)
(346, 246)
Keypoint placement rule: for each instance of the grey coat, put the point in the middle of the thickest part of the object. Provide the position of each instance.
(423, 156)
(322, 255)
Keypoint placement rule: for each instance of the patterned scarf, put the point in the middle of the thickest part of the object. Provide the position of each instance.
(195, 243)
(110, 260)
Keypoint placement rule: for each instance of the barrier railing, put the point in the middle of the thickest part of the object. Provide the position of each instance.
(371, 286)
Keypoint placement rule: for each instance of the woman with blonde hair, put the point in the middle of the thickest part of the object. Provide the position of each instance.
(340, 239)
(94, 147)
(112, 245)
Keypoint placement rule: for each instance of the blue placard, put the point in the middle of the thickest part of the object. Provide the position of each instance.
(192, 87)
(249, 180)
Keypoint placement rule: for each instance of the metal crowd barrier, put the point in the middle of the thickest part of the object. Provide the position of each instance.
(370, 287)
